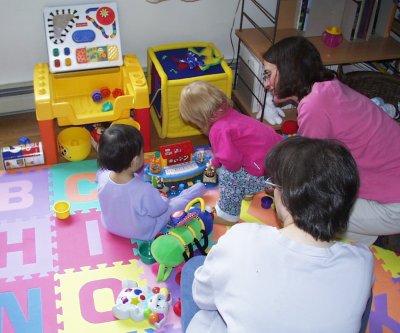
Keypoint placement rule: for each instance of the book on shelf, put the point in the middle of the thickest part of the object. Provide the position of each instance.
(323, 13)
(365, 28)
(372, 19)
(350, 17)
(359, 18)
(304, 10)
(363, 18)
(395, 28)
(361, 31)
(385, 17)
(376, 15)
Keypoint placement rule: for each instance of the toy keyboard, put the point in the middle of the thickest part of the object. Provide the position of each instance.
(177, 173)
(181, 169)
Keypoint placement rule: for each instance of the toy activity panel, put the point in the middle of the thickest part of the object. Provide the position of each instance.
(82, 37)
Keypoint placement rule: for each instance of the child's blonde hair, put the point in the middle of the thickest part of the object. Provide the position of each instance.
(201, 103)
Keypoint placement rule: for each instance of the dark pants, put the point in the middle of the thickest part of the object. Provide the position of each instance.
(189, 307)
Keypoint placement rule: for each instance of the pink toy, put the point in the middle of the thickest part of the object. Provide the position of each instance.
(332, 36)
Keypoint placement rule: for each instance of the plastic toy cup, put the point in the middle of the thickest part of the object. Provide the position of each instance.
(332, 36)
(62, 208)
(145, 252)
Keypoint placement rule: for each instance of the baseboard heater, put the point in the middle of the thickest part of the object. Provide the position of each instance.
(15, 98)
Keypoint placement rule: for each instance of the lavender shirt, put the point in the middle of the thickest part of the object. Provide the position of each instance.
(136, 209)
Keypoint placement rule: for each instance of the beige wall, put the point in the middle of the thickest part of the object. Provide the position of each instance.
(142, 24)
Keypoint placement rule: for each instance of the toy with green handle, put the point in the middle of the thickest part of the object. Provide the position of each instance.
(186, 230)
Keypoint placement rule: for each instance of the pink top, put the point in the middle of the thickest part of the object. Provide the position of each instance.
(239, 141)
(333, 110)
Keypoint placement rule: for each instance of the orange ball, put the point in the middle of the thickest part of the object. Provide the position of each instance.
(153, 318)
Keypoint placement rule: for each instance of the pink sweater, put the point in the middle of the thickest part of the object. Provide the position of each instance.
(333, 110)
(239, 141)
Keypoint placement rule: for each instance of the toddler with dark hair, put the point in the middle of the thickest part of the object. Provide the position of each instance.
(131, 207)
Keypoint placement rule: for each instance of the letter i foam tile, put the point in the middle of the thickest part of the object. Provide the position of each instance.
(82, 241)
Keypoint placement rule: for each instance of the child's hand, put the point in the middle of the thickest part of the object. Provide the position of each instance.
(197, 190)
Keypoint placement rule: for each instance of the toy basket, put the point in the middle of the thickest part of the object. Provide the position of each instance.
(375, 84)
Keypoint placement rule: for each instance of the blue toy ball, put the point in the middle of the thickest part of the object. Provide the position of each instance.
(23, 140)
(266, 202)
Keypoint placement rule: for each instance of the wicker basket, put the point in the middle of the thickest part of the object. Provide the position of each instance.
(375, 84)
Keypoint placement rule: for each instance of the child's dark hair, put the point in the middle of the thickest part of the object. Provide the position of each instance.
(318, 180)
(118, 145)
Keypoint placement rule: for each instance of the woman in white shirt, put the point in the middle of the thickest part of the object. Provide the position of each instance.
(297, 278)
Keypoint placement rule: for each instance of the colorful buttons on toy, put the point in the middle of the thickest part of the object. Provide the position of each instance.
(83, 36)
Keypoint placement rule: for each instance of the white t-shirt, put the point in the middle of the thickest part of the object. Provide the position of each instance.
(257, 280)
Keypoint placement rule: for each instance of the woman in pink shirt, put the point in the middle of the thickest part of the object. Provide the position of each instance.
(327, 108)
(239, 143)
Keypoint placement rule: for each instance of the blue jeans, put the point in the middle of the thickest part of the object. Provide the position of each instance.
(189, 307)
(365, 317)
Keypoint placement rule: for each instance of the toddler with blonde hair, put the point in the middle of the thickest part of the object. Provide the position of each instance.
(239, 143)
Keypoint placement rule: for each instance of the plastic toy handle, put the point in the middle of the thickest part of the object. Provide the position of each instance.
(163, 273)
(191, 203)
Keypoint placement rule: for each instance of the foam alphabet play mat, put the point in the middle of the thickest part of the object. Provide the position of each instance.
(65, 275)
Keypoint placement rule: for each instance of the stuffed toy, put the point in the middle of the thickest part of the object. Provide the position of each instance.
(187, 230)
(272, 113)
(389, 109)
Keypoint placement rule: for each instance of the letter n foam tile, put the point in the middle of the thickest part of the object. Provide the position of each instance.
(29, 305)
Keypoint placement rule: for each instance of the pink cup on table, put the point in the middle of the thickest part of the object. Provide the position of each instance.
(332, 36)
